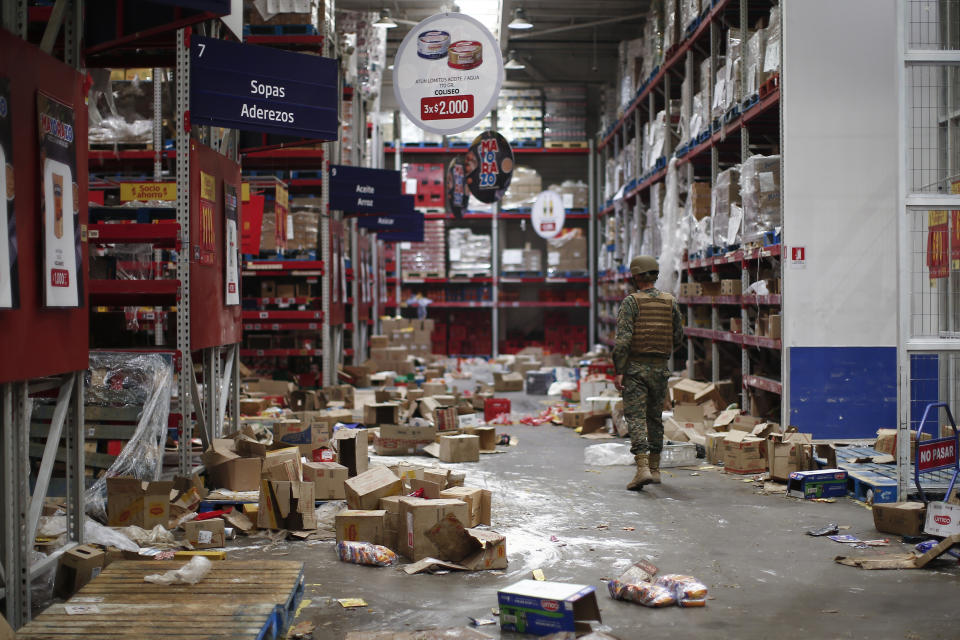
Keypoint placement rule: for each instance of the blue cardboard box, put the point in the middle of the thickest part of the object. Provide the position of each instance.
(825, 483)
(541, 608)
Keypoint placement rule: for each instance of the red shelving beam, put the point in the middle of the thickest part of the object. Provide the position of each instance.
(163, 234)
(537, 303)
(133, 292)
(283, 315)
(520, 150)
(279, 353)
(766, 384)
(286, 326)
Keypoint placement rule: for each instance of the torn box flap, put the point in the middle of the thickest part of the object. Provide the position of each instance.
(451, 539)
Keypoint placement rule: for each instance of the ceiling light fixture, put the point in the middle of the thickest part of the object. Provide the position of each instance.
(513, 63)
(520, 20)
(385, 20)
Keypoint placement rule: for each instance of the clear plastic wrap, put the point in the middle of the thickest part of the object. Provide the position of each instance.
(469, 252)
(575, 193)
(771, 54)
(719, 106)
(674, 234)
(131, 379)
(645, 593)
(191, 573)
(734, 61)
(754, 62)
(686, 109)
(760, 192)
(726, 192)
(305, 228)
(671, 24)
(688, 591)
(367, 553)
(689, 10)
(525, 185)
(567, 252)
(134, 261)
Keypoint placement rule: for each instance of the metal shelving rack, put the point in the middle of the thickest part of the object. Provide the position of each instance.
(701, 159)
(495, 219)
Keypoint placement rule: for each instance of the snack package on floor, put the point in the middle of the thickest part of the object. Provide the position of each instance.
(688, 591)
(367, 553)
(645, 593)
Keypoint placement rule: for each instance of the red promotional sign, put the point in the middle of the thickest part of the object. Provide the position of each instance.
(936, 454)
(937, 260)
(446, 108)
(251, 225)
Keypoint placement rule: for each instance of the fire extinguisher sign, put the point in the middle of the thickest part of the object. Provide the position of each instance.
(798, 257)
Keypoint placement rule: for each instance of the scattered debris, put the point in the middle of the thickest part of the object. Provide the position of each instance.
(826, 530)
(350, 603)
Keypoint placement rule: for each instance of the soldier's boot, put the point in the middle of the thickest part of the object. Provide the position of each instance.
(655, 468)
(643, 476)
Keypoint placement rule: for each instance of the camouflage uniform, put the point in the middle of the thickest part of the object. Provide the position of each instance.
(644, 379)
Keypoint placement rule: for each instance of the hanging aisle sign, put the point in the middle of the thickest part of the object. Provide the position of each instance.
(253, 88)
(357, 190)
(231, 241)
(447, 73)
(9, 276)
(59, 204)
(489, 166)
(548, 214)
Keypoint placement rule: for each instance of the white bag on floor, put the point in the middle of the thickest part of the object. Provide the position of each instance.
(607, 454)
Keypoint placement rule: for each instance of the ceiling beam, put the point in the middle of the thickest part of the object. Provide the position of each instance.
(582, 25)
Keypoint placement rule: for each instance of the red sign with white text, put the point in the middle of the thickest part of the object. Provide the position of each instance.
(936, 454)
(446, 107)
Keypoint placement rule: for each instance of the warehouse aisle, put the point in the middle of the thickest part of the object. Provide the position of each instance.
(766, 577)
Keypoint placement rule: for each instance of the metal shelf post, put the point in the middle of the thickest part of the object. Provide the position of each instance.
(186, 376)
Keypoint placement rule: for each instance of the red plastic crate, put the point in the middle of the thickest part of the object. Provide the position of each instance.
(494, 407)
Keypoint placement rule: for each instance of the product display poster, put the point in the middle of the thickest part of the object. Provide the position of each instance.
(548, 214)
(447, 73)
(456, 186)
(59, 204)
(489, 166)
(205, 252)
(231, 245)
(9, 278)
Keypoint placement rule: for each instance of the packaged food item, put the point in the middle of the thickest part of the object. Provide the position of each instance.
(465, 54)
(688, 591)
(645, 593)
(366, 553)
(433, 45)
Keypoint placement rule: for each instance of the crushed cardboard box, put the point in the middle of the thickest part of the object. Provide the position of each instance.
(900, 560)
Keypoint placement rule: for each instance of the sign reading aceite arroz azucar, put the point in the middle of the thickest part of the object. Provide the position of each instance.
(243, 86)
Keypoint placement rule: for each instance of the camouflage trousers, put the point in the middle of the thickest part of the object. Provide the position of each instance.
(644, 390)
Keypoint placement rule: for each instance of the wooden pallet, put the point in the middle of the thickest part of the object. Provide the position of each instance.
(237, 599)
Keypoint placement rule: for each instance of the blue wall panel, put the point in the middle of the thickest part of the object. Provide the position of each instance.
(843, 392)
(924, 385)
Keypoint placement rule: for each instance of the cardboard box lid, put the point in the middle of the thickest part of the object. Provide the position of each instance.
(741, 437)
(688, 413)
(549, 590)
(221, 450)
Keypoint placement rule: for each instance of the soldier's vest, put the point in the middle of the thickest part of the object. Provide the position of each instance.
(653, 328)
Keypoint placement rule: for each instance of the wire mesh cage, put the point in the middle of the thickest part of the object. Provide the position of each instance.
(933, 128)
(935, 274)
(933, 24)
(934, 378)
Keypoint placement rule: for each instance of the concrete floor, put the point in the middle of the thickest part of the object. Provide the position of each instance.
(766, 577)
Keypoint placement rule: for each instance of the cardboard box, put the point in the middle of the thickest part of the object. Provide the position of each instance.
(391, 522)
(379, 342)
(943, 519)
(715, 447)
(731, 287)
(286, 505)
(826, 483)
(446, 419)
(134, 502)
(365, 490)
(305, 401)
(402, 440)
(76, 568)
(774, 326)
(205, 534)
(380, 413)
(744, 453)
(574, 419)
(253, 406)
(478, 501)
(887, 442)
(305, 436)
(239, 474)
(434, 388)
(507, 382)
(539, 607)
(900, 518)
(417, 516)
(461, 448)
(352, 448)
(787, 453)
(282, 464)
(328, 479)
(362, 526)
(272, 388)
(488, 438)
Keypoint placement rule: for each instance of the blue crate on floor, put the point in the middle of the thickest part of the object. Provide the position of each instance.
(279, 30)
(871, 487)
(750, 102)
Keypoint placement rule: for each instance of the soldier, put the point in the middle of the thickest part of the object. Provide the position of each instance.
(649, 328)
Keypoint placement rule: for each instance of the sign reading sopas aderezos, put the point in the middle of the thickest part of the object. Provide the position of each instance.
(242, 86)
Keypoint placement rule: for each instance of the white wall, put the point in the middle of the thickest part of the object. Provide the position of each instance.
(839, 96)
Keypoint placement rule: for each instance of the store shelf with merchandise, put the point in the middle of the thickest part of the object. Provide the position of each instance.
(706, 117)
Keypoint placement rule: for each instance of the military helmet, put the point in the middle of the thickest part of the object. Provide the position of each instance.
(643, 264)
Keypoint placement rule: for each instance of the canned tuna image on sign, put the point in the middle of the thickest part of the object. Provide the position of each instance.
(433, 44)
